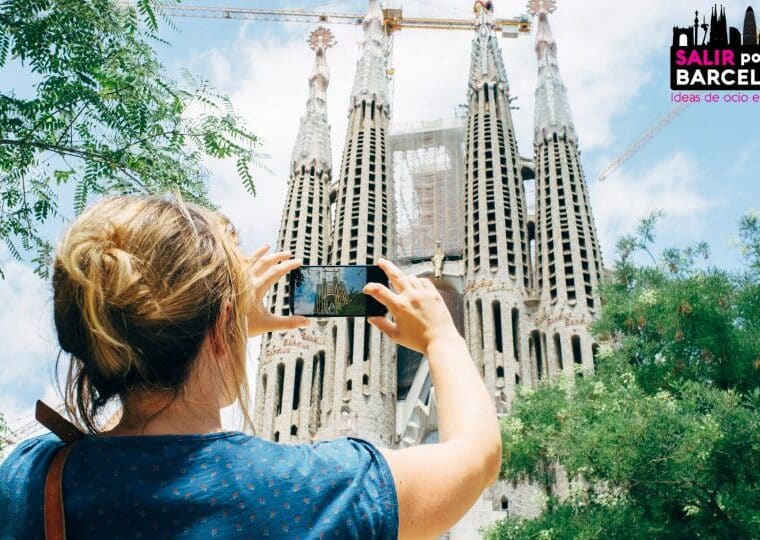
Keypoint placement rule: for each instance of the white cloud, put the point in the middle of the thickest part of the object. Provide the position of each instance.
(669, 185)
(29, 345)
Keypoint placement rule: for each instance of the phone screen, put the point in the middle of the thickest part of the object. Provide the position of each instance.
(335, 291)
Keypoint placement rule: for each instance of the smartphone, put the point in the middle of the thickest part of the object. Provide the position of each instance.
(335, 291)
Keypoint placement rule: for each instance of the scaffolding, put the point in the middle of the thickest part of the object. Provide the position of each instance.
(428, 174)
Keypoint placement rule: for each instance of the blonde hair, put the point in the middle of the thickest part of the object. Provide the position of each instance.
(138, 283)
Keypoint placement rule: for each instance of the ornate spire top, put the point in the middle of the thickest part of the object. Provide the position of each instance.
(321, 38)
(486, 61)
(484, 20)
(552, 113)
(371, 80)
(541, 6)
(313, 142)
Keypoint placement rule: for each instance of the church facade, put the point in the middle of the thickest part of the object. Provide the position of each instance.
(523, 291)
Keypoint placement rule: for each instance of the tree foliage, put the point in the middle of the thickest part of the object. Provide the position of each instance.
(664, 441)
(103, 116)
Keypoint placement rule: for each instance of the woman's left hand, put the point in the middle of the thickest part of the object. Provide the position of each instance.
(265, 271)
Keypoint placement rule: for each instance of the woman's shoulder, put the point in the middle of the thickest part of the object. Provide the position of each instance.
(29, 451)
(346, 481)
(21, 477)
(353, 474)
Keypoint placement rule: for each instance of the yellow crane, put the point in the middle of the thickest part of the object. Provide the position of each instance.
(647, 136)
(394, 18)
(394, 21)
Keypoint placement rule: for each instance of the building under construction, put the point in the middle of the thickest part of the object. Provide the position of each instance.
(448, 200)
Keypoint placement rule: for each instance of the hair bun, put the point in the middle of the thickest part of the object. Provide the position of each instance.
(138, 283)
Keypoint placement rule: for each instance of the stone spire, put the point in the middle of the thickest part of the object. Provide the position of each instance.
(312, 146)
(371, 80)
(486, 62)
(496, 273)
(292, 364)
(552, 112)
(360, 374)
(568, 263)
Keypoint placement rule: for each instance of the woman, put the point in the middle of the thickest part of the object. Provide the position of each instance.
(154, 303)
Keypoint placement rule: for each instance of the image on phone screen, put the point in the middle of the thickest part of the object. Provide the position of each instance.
(335, 291)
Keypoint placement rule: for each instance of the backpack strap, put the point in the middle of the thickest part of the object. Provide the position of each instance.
(51, 419)
(55, 520)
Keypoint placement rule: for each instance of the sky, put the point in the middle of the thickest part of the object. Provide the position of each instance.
(701, 171)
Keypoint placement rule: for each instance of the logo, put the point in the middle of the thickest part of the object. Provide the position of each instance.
(715, 56)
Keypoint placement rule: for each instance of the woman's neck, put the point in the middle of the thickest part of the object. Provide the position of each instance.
(158, 413)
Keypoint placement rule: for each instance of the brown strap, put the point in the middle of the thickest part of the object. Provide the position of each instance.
(55, 520)
(56, 423)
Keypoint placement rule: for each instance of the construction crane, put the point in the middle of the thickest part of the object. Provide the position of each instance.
(394, 18)
(393, 21)
(643, 140)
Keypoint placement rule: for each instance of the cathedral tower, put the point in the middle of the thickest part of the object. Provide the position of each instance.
(496, 263)
(361, 374)
(292, 363)
(568, 263)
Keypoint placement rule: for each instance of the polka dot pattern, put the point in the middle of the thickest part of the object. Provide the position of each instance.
(219, 485)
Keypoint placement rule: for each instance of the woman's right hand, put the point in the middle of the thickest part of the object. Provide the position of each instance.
(418, 309)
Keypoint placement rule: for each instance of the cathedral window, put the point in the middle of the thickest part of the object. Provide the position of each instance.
(496, 306)
(576, 343)
(297, 383)
(293, 431)
(350, 340)
(479, 311)
(280, 384)
(276, 436)
(367, 334)
(319, 364)
(558, 350)
(535, 341)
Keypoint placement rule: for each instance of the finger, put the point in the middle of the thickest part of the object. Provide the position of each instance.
(385, 326)
(273, 274)
(414, 281)
(397, 278)
(382, 294)
(257, 254)
(267, 261)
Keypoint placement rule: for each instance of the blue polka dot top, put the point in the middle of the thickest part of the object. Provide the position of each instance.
(218, 485)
